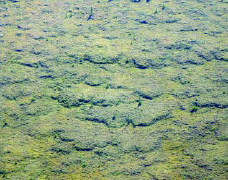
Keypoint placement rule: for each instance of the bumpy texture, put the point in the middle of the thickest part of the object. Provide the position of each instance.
(113, 89)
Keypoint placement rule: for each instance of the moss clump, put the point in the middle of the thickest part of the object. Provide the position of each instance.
(194, 109)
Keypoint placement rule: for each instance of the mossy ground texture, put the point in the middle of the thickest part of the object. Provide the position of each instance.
(113, 89)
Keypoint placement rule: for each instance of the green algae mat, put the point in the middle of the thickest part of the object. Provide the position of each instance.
(113, 89)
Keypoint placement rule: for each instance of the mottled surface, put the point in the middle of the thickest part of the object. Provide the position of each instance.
(113, 89)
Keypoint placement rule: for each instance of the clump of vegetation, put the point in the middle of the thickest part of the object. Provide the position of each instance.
(90, 15)
(139, 102)
(194, 109)
(163, 7)
(156, 11)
